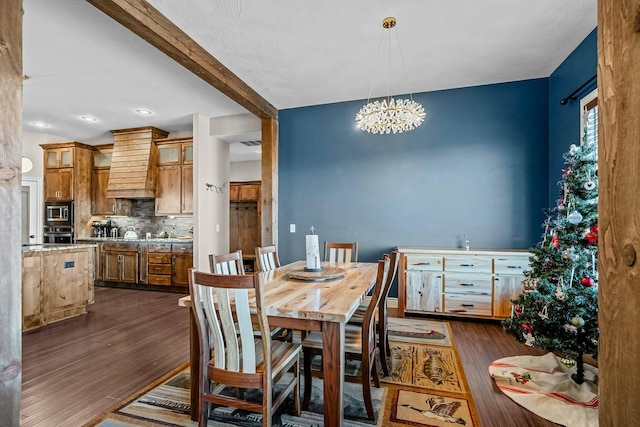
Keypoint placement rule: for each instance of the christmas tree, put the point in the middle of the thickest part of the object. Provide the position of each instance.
(558, 310)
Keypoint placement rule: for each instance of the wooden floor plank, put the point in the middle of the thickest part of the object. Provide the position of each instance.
(77, 368)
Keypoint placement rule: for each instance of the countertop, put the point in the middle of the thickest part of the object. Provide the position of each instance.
(54, 247)
(138, 240)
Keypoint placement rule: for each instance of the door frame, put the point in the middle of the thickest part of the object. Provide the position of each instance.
(36, 209)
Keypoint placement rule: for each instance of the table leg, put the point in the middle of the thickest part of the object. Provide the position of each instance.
(194, 369)
(333, 372)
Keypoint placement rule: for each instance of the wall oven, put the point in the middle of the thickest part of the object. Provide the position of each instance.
(58, 214)
(58, 234)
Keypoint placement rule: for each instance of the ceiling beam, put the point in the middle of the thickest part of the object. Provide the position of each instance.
(152, 26)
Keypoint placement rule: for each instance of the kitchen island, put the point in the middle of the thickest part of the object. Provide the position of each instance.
(57, 282)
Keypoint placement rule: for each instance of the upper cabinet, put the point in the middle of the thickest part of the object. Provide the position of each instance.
(174, 176)
(100, 203)
(58, 157)
(67, 169)
(244, 191)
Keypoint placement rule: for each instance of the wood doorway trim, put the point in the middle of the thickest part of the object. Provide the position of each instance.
(10, 207)
(619, 209)
(147, 22)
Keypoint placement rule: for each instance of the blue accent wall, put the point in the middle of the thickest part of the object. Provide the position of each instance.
(477, 166)
(564, 120)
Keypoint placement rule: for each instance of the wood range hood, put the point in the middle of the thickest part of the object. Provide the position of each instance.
(133, 163)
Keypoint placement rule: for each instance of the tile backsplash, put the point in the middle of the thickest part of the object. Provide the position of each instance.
(144, 220)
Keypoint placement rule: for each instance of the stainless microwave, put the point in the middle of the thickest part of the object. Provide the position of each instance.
(58, 213)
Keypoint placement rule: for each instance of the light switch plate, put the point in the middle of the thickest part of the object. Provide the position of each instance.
(292, 228)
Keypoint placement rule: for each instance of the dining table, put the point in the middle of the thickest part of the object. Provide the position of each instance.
(299, 301)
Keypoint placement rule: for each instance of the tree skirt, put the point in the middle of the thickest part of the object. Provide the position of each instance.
(543, 385)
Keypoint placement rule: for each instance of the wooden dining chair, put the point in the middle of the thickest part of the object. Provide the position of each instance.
(230, 263)
(382, 319)
(341, 252)
(267, 258)
(359, 344)
(230, 354)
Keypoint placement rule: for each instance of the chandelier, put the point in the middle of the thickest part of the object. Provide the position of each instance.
(388, 114)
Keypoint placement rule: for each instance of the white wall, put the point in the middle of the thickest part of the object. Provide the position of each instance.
(211, 208)
(246, 171)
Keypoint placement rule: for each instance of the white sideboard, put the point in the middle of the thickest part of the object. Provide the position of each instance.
(457, 282)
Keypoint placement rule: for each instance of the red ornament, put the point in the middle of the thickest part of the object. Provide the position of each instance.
(554, 241)
(587, 282)
(518, 309)
(592, 235)
(527, 327)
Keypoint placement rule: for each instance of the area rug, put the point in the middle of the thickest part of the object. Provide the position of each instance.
(166, 403)
(543, 385)
(427, 387)
(425, 366)
(419, 331)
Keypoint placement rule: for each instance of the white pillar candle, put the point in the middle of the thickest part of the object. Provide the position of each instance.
(313, 252)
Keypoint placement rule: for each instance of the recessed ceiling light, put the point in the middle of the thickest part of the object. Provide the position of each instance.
(89, 119)
(144, 112)
(40, 124)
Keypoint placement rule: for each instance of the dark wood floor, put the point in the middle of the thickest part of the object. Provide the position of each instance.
(75, 369)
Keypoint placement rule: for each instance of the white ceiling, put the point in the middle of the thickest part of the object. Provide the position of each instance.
(293, 53)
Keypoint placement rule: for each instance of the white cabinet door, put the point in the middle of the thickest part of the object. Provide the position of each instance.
(505, 289)
(424, 291)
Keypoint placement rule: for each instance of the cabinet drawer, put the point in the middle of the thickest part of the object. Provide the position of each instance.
(159, 269)
(479, 305)
(424, 262)
(121, 247)
(185, 248)
(159, 258)
(510, 265)
(468, 283)
(159, 247)
(475, 264)
(159, 280)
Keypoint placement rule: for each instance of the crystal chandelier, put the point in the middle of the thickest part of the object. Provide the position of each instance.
(388, 114)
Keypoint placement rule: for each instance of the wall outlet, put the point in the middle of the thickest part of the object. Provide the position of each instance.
(292, 228)
(217, 228)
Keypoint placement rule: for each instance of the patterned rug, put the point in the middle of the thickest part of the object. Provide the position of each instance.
(426, 387)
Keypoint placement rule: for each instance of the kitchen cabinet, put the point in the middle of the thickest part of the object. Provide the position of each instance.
(181, 262)
(67, 177)
(100, 203)
(121, 262)
(174, 176)
(58, 157)
(159, 264)
(244, 192)
(58, 184)
(32, 310)
(455, 282)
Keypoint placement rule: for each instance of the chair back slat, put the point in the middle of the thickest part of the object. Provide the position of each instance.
(231, 345)
(341, 252)
(245, 331)
(267, 258)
